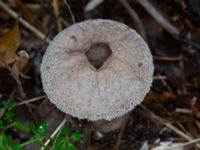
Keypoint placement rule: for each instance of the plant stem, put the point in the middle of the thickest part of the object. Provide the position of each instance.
(30, 141)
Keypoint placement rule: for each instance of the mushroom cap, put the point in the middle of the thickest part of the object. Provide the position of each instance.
(79, 89)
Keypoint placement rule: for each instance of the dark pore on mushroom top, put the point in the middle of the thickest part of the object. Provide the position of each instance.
(98, 53)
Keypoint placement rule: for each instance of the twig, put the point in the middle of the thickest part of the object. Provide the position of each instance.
(92, 4)
(182, 66)
(57, 13)
(187, 41)
(24, 22)
(126, 120)
(55, 132)
(16, 77)
(162, 79)
(18, 81)
(32, 100)
(179, 132)
(170, 126)
(159, 77)
(158, 17)
(184, 129)
(3, 110)
(197, 123)
(182, 146)
(64, 22)
(70, 11)
(192, 142)
(183, 110)
(167, 58)
(138, 23)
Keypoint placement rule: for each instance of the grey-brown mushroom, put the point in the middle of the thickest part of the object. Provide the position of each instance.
(97, 69)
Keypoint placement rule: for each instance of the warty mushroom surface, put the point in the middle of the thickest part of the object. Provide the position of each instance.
(97, 69)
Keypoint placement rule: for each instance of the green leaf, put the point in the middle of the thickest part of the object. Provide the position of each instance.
(32, 127)
(12, 104)
(66, 139)
(56, 146)
(43, 127)
(60, 146)
(1, 96)
(59, 140)
(16, 147)
(1, 141)
(21, 126)
(8, 116)
(71, 146)
(76, 137)
(3, 103)
(64, 131)
(1, 124)
(63, 147)
(9, 140)
(5, 142)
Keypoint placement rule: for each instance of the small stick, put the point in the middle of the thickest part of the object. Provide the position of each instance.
(3, 110)
(192, 142)
(64, 22)
(16, 77)
(179, 132)
(188, 42)
(181, 146)
(197, 123)
(184, 129)
(183, 110)
(24, 22)
(55, 132)
(158, 17)
(32, 100)
(138, 23)
(167, 58)
(182, 66)
(162, 79)
(170, 126)
(57, 13)
(159, 77)
(125, 122)
(70, 11)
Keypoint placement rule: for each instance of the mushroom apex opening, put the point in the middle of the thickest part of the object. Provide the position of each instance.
(98, 53)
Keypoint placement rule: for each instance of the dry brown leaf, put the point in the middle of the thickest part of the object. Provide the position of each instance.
(195, 106)
(9, 44)
(20, 64)
(167, 96)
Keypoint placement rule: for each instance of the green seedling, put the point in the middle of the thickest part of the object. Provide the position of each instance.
(64, 140)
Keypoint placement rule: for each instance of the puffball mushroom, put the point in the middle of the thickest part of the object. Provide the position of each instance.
(97, 69)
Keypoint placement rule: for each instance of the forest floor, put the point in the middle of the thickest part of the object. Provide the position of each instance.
(170, 114)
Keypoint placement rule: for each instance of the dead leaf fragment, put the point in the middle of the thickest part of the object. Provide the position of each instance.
(9, 44)
(167, 96)
(20, 64)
